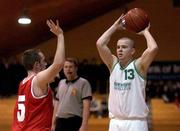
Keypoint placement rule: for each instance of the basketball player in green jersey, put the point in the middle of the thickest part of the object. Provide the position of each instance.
(127, 106)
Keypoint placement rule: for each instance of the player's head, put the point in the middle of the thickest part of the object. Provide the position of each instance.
(125, 48)
(70, 68)
(34, 60)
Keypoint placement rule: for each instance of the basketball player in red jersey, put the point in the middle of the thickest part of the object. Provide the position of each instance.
(34, 108)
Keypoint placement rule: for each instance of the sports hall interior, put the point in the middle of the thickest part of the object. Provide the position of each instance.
(80, 42)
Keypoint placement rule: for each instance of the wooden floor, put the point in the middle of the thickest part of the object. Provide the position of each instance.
(165, 117)
(6, 111)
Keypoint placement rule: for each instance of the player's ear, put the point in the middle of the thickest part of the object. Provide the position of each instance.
(76, 68)
(133, 51)
(36, 64)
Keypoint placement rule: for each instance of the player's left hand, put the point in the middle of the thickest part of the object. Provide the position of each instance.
(145, 30)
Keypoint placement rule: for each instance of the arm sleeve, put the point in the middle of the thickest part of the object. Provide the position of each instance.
(86, 90)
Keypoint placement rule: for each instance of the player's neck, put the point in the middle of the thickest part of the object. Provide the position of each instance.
(124, 63)
(31, 73)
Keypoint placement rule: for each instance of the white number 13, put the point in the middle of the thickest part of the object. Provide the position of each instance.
(21, 108)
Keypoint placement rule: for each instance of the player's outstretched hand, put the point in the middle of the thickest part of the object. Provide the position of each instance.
(54, 28)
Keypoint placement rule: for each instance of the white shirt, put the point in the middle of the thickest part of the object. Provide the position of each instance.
(127, 93)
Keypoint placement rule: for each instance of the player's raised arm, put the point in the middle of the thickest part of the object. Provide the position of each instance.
(46, 76)
(149, 54)
(105, 53)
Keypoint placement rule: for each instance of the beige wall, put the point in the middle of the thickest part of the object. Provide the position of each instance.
(165, 26)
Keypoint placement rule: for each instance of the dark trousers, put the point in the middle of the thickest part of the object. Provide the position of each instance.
(68, 124)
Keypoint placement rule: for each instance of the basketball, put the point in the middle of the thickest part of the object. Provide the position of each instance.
(135, 20)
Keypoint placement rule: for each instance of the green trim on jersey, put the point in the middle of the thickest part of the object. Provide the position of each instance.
(143, 77)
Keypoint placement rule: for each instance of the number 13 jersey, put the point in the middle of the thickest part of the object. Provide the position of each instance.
(127, 93)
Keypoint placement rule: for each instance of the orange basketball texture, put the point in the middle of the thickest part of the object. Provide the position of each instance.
(136, 20)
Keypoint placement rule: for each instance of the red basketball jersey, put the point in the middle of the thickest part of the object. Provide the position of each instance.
(31, 113)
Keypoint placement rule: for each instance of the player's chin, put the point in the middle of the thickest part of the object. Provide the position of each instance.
(120, 57)
(43, 69)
